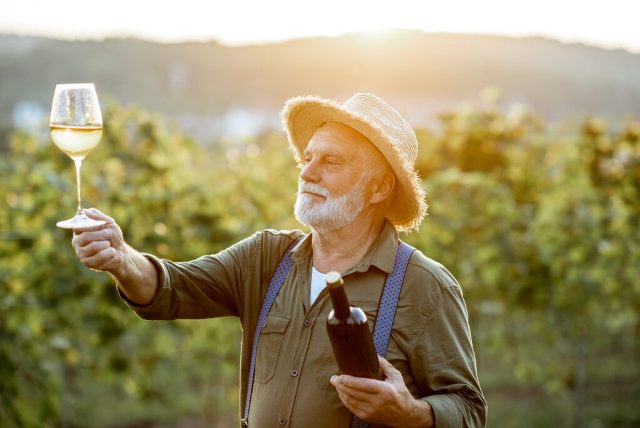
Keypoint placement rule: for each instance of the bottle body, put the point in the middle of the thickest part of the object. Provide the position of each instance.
(349, 334)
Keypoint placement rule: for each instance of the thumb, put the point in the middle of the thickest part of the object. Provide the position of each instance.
(96, 214)
(390, 372)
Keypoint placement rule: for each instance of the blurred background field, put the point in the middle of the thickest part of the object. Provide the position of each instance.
(529, 152)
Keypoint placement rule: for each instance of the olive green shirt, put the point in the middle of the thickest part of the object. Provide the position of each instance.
(430, 341)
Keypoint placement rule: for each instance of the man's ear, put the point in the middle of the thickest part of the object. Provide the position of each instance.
(383, 187)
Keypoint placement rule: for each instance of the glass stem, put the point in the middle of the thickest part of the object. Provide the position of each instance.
(78, 163)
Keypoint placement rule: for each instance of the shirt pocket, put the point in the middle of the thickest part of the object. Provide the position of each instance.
(269, 346)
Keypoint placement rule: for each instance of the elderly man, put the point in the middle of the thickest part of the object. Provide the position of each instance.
(357, 189)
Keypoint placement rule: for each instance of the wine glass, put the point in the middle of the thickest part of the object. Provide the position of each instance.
(76, 129)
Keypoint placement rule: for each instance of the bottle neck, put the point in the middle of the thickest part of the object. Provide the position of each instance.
(340, 302)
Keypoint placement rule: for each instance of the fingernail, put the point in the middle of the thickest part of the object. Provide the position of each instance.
(333, 379)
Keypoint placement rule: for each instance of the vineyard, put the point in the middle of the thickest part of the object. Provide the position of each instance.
(540, 224)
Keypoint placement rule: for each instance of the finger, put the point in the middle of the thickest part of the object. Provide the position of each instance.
(389, 371)
(96, 214)
(353, 383)
(92, 249)
(364, 396)
(79, 230)
(102, 260)
(85, 238)
(357, 406)
(347, 400)
(344, 397)
(361, 404)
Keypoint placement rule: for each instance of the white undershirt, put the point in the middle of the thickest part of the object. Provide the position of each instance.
(317, 284)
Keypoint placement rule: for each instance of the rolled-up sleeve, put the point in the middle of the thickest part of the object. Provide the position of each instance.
(207, 287)
(160, 301)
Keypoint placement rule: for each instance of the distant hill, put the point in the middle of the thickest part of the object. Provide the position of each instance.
(420, 73)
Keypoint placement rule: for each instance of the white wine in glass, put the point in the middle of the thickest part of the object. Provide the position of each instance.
(76, 129)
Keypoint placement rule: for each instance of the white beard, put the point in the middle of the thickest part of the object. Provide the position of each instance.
(334, 212)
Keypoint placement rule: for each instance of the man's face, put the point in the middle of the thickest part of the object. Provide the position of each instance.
(333, 183)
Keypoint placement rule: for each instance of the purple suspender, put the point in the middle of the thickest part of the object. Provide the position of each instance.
(381, 330)
(387, 308)
(277, 280)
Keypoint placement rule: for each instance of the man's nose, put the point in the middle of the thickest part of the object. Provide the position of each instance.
(310, 172)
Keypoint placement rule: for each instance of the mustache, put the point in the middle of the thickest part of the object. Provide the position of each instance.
(313, 188)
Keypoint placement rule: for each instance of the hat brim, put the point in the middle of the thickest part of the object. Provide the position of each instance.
(303, 116)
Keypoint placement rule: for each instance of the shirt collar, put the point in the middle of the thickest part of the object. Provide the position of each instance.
(302, 250)
(381, 254)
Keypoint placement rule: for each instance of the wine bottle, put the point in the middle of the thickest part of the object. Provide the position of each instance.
(349, 333)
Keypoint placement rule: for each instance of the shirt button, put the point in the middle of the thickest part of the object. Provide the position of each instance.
(307, 323)
(282, 421)
(294, 373)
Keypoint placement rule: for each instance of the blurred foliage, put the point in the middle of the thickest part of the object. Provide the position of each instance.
(542, 229)
(539, 225)
(68, 350)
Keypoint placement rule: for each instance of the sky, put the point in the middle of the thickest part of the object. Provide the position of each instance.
(611, 23)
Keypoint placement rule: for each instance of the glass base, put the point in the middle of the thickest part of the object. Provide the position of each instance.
(80, 221)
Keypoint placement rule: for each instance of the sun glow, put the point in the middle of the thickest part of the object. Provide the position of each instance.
(243, 21)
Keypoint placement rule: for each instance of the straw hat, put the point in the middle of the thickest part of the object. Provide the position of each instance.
(383, 126)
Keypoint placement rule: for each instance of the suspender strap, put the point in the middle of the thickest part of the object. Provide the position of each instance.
(387, 308)
(389, 299)
(277, 280)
